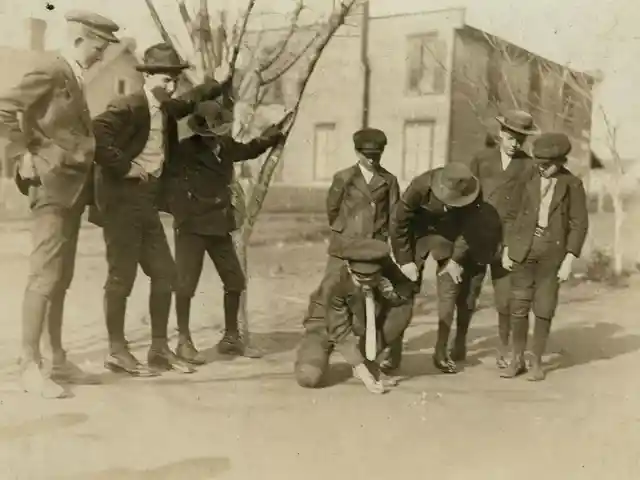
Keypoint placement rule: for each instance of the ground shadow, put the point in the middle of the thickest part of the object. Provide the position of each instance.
(41, 425)
(583, 344)
(203, 468)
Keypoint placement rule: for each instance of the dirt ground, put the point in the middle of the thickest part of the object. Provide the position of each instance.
(242, 419)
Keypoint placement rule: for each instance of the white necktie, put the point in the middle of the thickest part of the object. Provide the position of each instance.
(370, 318)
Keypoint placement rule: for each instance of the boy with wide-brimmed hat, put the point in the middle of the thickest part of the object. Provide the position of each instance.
(546, 228)
(439, 215)
(199, 198)
(498, 170)
(136, 142)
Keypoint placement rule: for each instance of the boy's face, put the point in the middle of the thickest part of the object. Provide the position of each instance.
(369, 159)
(369, 281)
(548, 169)
(511, 142)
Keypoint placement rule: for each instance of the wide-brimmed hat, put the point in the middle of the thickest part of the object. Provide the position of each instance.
(208, 116)
(551, 147)
(518, 121)
(161, 58)
(455, 185)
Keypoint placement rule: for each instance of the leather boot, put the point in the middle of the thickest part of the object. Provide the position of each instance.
(160, 359)
(231, 343)
(520, 330)
(186, 350)
(392, 357)
(463, 319)
(541, 331)
(441, 359)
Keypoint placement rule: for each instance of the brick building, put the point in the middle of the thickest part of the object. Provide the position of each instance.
(435, 87)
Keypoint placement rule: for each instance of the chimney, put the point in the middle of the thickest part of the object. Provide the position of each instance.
(36, 30)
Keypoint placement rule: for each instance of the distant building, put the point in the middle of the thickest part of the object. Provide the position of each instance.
(436, 85)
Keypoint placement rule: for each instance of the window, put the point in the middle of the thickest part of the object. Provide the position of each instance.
(417, 148)
(121, 86)
(426, 64)
(325, 162)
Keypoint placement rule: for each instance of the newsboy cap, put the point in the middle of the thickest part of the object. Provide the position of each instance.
(551, 146)
(364, 255)
(99, 25)
(369, 139)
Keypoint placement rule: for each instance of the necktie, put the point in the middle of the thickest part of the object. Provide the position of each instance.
(370, 318)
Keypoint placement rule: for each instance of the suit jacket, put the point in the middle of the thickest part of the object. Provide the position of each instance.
(122, 132)
(199, 181)
(358, 209)
(345, 302)
(55, 127)
(568, 217)
(421, 225)
(496, 183)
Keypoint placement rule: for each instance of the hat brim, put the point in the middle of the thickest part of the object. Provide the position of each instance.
(449, 197)
(162, 68)
(534, 130)
(364, 268)
(200, 129)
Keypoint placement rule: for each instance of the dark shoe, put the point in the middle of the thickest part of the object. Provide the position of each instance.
(445, 365)
(459, 353)
(501, 362)
(70, 373)
(162, 359)
(186, 351)
(514, 369)
(123, 361)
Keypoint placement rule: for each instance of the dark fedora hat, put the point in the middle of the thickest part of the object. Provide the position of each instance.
(208, 116)
(455, 185)
(161, 58)
(518, 121)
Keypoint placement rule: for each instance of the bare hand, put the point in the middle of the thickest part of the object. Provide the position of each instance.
(136, 171)
(410, 270)
(454, 270)
(507, 263)
(565, 268)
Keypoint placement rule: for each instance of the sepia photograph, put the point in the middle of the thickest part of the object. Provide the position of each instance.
(319, 239)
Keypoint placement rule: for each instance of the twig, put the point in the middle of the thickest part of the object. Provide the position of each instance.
(292, 62)
(284, 43)
(238, 42)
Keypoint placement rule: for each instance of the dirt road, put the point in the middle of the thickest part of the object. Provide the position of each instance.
(243, 419)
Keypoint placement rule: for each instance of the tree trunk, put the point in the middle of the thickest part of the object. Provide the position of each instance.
(618, 248)
(243, 317)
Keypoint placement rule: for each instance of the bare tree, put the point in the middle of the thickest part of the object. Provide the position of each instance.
(216, 45)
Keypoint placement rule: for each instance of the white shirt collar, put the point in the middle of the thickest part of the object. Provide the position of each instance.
(154, 104)
(367, 174)
(78, 71)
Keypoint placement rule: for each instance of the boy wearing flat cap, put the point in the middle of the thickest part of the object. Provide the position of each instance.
(361, 197)
(137, 139)
(362, 314)
(57, 142)
(545, 232)
(199, 198)
(441, 214)
(498, 170)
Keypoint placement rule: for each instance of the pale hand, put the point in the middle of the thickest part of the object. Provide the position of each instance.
(27, 168)
(565, 268)
(507, 263)
(410, 270)
(136, 171)
(454, 270)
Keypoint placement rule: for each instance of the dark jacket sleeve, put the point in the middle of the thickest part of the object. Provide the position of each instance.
(334, 197)
(394, 198)
(401, 220)
(107, 127)
(185, 104)
(578, 217)
(239, 152)
(34, 85)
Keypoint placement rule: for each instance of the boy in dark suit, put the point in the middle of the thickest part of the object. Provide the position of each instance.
(199, 197)
(498, 170)
(136, 141)
(545, 232)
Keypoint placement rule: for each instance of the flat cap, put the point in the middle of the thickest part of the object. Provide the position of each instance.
(99, 25)
(369, 139)
(551, 146)
(364, 255)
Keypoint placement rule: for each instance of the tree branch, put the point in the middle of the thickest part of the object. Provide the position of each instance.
(293, 27)
(291, 63)
(238, 42)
